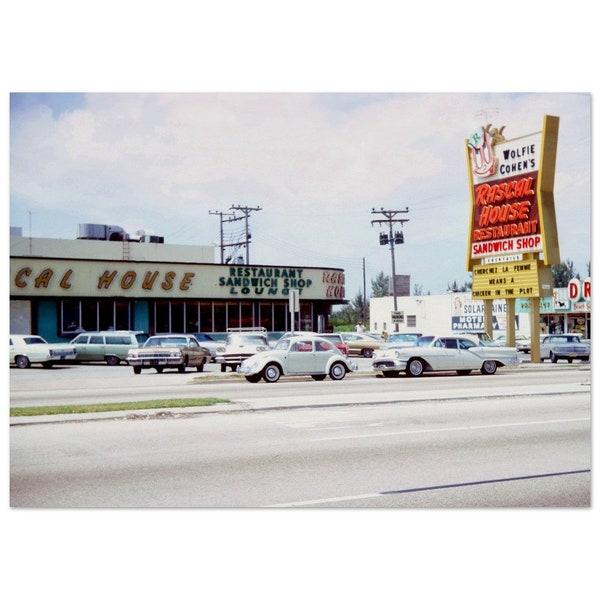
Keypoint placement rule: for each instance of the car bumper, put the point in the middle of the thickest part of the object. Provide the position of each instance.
(388, 364)
(232, 359)
(155, 362)
(248, 369)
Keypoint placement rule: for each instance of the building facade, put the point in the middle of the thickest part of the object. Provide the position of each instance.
(61, 287)
(567, 310)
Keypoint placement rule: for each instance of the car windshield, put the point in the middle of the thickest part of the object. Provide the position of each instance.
(239, 340)
(283, 344)
(170, 341)
(402, 337)
(425, 340)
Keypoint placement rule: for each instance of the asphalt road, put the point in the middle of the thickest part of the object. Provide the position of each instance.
(518, 438)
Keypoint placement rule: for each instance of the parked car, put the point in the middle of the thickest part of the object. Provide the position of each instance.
(361, 344)
(524, 345)
(169, 351)
(242, 343)
(447, 353)
(24, 350)
(564, 346)
(107, 346)
(336, 338)
(400, 340)
(298, 355)
(212, 345)
(521, 341)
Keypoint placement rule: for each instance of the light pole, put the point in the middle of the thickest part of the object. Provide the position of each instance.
(392, 238)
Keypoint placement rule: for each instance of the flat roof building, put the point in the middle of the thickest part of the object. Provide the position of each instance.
(61, 287)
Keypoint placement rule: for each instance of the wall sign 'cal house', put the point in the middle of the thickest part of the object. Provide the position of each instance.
(513, 237)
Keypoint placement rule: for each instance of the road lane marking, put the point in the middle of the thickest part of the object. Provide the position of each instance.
(449, 429)
(425, 489)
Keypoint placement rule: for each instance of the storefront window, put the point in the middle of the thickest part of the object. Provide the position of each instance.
(177, 322)
(89, 315)
(95, 315)
(206, 317)
(122, 316)
(192, 317)
(247, 314)
(280, 317)
(70, 316)
(233, 314)
(220, 322)
(161, 316)
(106, 309)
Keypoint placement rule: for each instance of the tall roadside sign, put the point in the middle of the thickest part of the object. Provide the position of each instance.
(513, 237)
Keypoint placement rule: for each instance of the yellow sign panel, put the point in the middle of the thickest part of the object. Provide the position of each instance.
(525, 278)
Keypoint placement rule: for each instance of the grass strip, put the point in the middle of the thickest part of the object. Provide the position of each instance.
(34, 411)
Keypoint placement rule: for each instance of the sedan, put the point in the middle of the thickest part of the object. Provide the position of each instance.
(361, 344)
(28, 349)
(565, 346)
(450, 353)
(166, 351)
(297, 355)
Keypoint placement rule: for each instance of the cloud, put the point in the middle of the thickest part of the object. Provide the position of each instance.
(315, 163)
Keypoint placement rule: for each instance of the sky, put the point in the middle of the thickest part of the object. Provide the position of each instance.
(314, 164)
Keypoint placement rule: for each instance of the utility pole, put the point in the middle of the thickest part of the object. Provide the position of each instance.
(246, 210)
(392, 238)
(221, 215)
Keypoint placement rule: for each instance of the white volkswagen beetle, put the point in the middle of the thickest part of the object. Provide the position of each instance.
(300, 355)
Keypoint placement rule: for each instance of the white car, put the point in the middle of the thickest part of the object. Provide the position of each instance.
(241, 343)
(565, 346)
(28, 349)
(443, 353)
(298, 355)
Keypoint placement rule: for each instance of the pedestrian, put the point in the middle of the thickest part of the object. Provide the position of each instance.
(360, 328)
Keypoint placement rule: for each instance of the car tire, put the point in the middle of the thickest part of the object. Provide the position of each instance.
(159, 369)
(553, 358)
(137, 370)
(200, 367)
(253, 378)
(112, 361)
(337, 371)
(318, 377)
(22, 362)
(367, 352)
(271, 373)
(489, 367)
(415, 367)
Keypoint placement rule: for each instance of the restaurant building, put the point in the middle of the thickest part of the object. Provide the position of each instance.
(104, 280)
